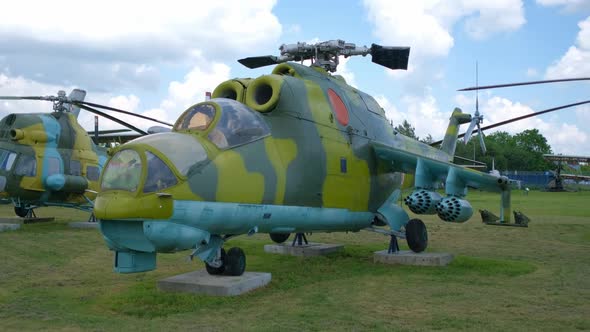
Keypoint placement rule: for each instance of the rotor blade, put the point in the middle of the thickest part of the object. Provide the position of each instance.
(121, 111)
(469, 130)
(25, 98)
(524, 83)
(259, 61)
(481, 140)
(519, 118)
(390, 57)
(109, 131)
(112, 118)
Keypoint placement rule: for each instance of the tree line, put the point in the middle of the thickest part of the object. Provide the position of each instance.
(523, 151)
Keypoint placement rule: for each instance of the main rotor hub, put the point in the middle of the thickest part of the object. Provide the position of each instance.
(325, 55)
(322, 54)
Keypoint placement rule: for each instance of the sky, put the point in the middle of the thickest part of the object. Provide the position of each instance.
(159, 58)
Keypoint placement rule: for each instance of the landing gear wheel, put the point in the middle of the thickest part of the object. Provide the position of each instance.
(279, 237)
(416, 235)
(235, 262)
(217, 270)
(21, 211)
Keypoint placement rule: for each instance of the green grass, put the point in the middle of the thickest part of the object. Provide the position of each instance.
(53, 277)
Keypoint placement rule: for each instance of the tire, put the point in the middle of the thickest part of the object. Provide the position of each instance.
(279, 237)
(235, 262)
(416, 235)
(217, 270)
(21, 211)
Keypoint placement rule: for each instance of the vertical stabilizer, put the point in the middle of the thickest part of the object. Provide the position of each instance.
(76, 94)
(450, 141)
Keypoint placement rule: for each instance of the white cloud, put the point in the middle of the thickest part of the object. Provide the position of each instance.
(576, 61)
(568, 5)
(426, 25)
(118, 44)
(421, 112)
(532, 72)
(345, 72)
(562, 137)
(181, 94)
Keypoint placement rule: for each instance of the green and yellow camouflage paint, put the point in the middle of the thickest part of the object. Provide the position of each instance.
(297, 150)
(48, 160)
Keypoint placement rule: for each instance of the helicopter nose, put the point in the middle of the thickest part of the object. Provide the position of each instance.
(139, 178)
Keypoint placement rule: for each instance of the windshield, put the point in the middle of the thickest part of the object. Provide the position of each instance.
(159, 176)
(123, 171)
(198, 117)
(238, 125)
(182, 150)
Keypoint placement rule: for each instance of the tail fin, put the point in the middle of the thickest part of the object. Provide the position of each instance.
(450, 141)
(79, 95)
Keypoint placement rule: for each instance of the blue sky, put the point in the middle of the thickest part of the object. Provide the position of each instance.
(158, 59)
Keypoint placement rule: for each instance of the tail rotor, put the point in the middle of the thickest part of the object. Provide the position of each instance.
(476, 120)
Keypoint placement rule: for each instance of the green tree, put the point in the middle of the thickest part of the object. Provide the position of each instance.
(523, 151)
(428, 139)
(406, 129)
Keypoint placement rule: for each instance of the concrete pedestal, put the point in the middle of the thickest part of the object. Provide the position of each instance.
(411, 258)
(305, 250)
(84, 224)
(9, 227)
(201, 282)
(16, 220)
(13, 220)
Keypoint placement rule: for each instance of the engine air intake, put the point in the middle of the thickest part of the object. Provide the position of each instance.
(264, 92)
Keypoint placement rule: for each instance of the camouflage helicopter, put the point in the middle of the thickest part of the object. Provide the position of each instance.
(48, 159)
(298, 150)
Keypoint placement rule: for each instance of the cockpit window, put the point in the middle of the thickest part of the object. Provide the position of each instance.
(199, 117)
(238, 125)
(159, 176)
(123, 171)
(26, 165)
(7, 159)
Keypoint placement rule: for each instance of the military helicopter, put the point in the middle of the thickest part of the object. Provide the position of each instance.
(556, 183)
(48, 159)
(298, 150)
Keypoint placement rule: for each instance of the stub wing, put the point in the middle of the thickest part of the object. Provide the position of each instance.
(429, 173)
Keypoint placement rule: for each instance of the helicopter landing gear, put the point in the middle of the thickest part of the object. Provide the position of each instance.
(235, 262)
(393, 245)
(220, 262)
(24, 212)
(299, 239)
(279, 237)
(416, 235)
(232, 263)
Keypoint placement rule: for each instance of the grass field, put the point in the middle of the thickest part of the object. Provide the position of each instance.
(53, 277)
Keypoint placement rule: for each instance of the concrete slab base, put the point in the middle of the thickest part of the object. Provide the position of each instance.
(201, 282)
(16, 220)
(305, 250)
(9, 227)
(406, 257)
(13, 220)
(84, 224)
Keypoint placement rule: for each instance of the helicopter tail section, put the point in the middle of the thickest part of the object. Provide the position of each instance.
(449, 143)
(78, 95)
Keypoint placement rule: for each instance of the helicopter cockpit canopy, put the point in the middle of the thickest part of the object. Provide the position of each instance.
(226, 122)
